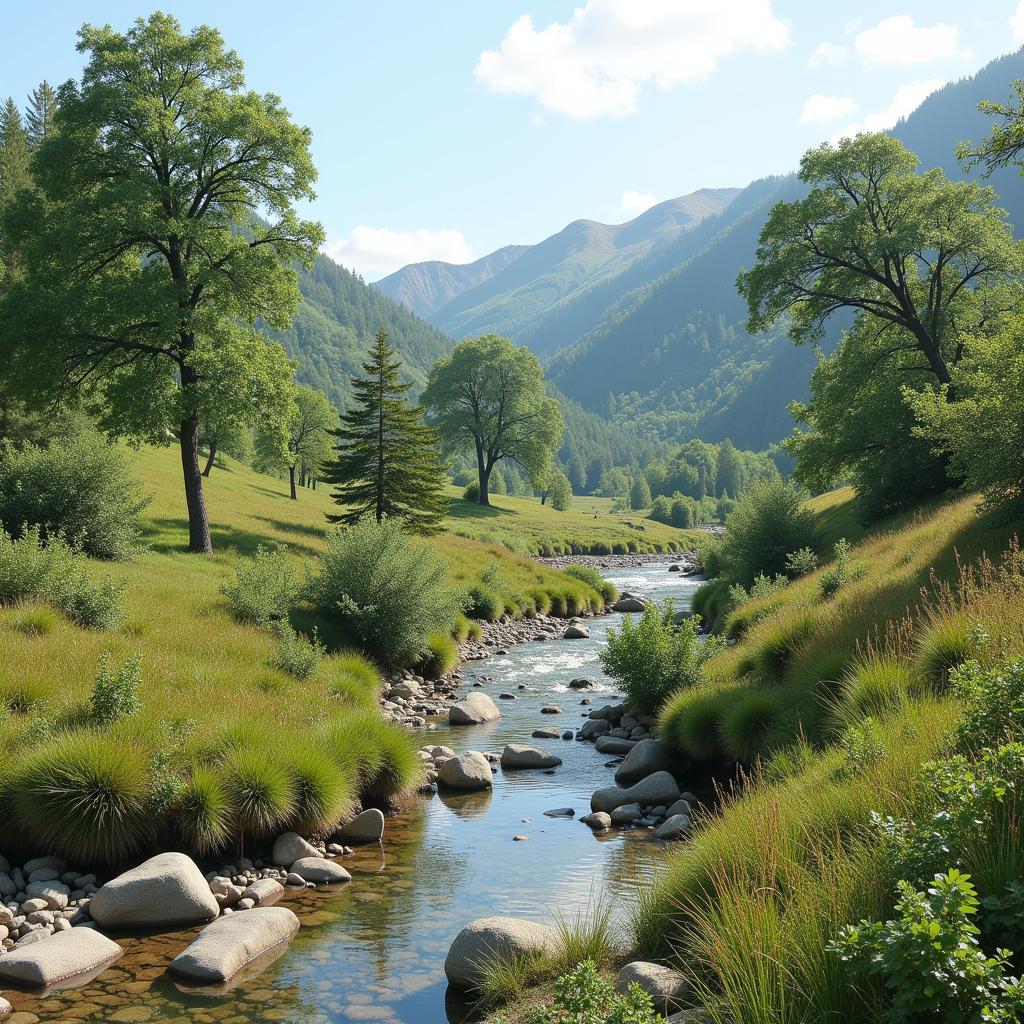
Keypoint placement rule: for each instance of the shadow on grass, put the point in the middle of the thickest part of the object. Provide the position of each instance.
(469, 510)
(169, 536)
(299, 529)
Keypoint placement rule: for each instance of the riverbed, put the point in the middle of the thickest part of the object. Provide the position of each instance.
(374, 951)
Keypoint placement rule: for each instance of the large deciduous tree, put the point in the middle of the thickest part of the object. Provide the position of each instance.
(388, 463)
(488, 397)
(145, 261)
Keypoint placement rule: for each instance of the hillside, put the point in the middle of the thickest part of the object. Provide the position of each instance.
(426, 287)
(577, 258)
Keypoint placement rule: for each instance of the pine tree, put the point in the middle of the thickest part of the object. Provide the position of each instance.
(42, 105)
(14, 175)
(387, 462)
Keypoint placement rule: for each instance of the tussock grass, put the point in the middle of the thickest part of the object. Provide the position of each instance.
(443, 656)
(203, 812)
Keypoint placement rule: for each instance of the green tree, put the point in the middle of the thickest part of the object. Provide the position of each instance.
(14, 175)
(388, 463)
(639, 494)
(307, 444)
(42, 105)
(728, 470)
(145, 261)
(488, 397)
(557, 488)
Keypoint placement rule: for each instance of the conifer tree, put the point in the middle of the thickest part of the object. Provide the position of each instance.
(388, 462)
(42, 105)
(14, 175)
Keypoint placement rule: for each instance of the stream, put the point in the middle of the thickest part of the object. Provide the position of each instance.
(374, 950)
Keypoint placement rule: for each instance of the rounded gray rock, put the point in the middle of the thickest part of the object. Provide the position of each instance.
(486, 938)
(290, 847)
(659, 788)
(320, 871)
(518, 755)
(367, 827)
(646, 758)
(473, 709)
(58, 957)
(665, 986)
(469, 770)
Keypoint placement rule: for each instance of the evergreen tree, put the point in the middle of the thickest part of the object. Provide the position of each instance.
(14, 175)
(388, 462)
(42, 105)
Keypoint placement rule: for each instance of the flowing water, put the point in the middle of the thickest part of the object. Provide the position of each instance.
(374, 950)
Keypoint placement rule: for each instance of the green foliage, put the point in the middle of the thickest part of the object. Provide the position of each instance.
(354, 679)
(746, 723)
(943, 644)
(801, 562)
(874, 686)
(764, 528)
(203, 812)
(928, 959)
(481, 602)
(324, 793)
(653, 656)
(584, 997)
(115, 694)
(380, 755)
(558, 490)
(296, 654)
(259, 787)
(587, 574)
(763, 586)
(639, 494)
(780, 642)
(443, 657)
(388, 461)
(36, 622)
(388, 591)
(862, 747)
(993, 705)
(265, 588)
(472, 492)
(841, 571)
(78, 488)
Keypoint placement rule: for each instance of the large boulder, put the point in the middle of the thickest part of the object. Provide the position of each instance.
(165, 890)
(470, 770)
(223, 948)
(646, 758)
(659, 788)
(665, 986)
(674, 827)
(61, 957)
(614, 745)
(367, 827)
(473, 709)
(290, 847)
(629, 603)
(594, 728)
(504, 938)
(519, 755)
(320, 871)
(576, 631)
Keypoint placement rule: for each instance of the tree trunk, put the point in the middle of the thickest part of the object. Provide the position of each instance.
(485, 480)
(291, 481)
(198, 524)
(210, 458)
(544, 498)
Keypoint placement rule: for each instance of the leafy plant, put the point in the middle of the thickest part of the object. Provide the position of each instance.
(583, 997)
(589, 575)
(801, 562)
(841, 572)
(264, 588)
(992, 702)
(295, 654)
(115, 694)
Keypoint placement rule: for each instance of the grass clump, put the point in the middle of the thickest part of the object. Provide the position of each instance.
(203, 815)
(265, 588)
(481, 602)
(379, 755)
(874, 686)
(690, 720)
(115, 694)
(296, 654)
(259, 788)
(943, 644)
(354, 679)
(841, 572)
(36, 622)
(779, 640)
(324, 793)
(443, 657)
(746, 724)
(586, 574)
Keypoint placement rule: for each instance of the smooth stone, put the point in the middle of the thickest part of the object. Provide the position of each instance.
(518, 755)
(665, 986)
(646, 758)
(594, 729)
(5, 1008)
(545, 733)
(223, 948)
(58, 957)
(626, 814)
(289, 848)
(503, 938)
(320, 871)
(576, 631)
(674, 828)
(294, 879)
(56, 894)
(599, 821)
(165, 890)
(43, 862)
(264, 890)
(614, 745)
(560, 812)
(629, 604)
(366, 827)
(469, 770)
(581, 684)
(473, 709)
(659, 788)
(681, 806)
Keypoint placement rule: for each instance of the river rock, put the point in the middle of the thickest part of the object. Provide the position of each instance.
(629, 603)
(469, 770)
(545, 734)
(518, 755)
(165, 890)
(576, 631)
(599, 821)
(560, 812)
(581, 684)
(58, 957)
(551, 709)
(290, 847)
(626, 814)
(367, 827)
(320, 871)
(646, 758)
(594, 728)
(7, 886)
(43, 862)
(504, 938)
(614, 745)
(674, 828)
(473, 709)
(659, 788)
(221, 949)
(55, 894)
(681, 806)
(5, 1008)
(263, 890)
(665, 986)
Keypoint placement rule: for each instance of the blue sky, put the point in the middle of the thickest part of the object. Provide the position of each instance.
(446, 129)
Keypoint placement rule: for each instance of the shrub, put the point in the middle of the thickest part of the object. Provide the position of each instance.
(443, 656)
(79, 489)
(91, 607)
(661, 510)
(115, 694)
(265, 588)
(480, 602)
(259, 788)
(708, 557)
(295, 654)
(763, 586)
(767, 524)
(653, 656)
(593, 579)
(801, 562)
(472, 491)
(583, 997)
(746, 723)
(842, 570)
(389, 591)
(992, 703)
(203, 812)
(84, 798)
(927, 962)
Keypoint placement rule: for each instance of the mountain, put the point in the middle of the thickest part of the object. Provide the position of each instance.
(426, 287)
(560, 269)
(672, 351)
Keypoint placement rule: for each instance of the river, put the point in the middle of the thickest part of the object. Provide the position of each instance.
(374, 951)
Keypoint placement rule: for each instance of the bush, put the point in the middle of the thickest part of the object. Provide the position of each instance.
(78, 489)
(115, 694)
(480, 602)
(355, 679)
(842, 570)
(593, 579)
(767, 524)
(389, 591)
(992, 703)
(763, 586)
(801, 562)
(84, 798)
(203, 812)
(584, 997)
(661, 510)
(295, 654)
(265, 588)
(653, 656)
(927, 964)
(443, 657)
(472, 491)
(746, 723)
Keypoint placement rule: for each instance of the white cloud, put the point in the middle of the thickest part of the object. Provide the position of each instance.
(898, 40)
(906, 100)
(828, 53)
(1017, 23)
(632, 204)
(819, 109)
(595, 63)
(377, 252)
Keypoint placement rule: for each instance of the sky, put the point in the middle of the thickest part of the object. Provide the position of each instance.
(445, 130)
